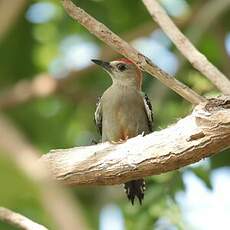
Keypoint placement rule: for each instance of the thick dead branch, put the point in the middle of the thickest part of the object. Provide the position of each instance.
(202, 134)
(115, 42)
(197, 59)
(18, 220)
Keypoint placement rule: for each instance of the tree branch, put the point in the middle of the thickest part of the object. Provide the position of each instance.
(9, 11)
(115, 42)
(202, 134)
(45, 84)
(18, 220)
(197, 59)
(27, 90)
(25, 156)
(42, 85)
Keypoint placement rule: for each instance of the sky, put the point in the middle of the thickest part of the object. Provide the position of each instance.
(202, 208)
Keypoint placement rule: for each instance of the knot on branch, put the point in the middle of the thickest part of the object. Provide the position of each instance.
(214, 104)
(213, 117)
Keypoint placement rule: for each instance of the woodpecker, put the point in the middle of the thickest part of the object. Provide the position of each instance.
(124, 111)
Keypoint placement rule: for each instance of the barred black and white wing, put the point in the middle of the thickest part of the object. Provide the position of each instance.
(149, 111)
(98, 116)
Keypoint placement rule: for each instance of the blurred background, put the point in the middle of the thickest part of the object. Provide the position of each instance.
(48, 91)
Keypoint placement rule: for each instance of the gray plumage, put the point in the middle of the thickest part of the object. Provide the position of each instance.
(123, 112)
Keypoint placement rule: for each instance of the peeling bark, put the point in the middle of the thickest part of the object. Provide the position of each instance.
(201, 134)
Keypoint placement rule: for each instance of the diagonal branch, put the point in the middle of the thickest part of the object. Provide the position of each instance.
(15, 145)
(202, 134)
(44, 84)
(115, 42)
(25, 91)
(18, 220)
(197, 59)
(41, 85)
(9, 12)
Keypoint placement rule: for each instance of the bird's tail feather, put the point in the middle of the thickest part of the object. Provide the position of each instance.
(135, 188)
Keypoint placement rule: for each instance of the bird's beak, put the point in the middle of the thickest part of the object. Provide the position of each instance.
(105, 65)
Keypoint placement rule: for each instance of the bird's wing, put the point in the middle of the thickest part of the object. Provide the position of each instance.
(149, 111)
(98, 116)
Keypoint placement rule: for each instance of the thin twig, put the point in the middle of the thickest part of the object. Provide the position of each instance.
(115, 42)
(203, 133)
(18, 220)
(197, 59)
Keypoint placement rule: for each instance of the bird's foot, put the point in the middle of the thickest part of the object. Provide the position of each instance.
(120, 141)
(117, 142)
(94, 142)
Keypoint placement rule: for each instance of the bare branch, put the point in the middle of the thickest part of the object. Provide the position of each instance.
(25, 156)
(44, 84)
(27, 90)
(197, 59)
(202, 134)
(115, 42)
(9, 11)
(18, 220)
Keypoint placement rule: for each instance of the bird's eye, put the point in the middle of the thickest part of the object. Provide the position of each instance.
(121, 67)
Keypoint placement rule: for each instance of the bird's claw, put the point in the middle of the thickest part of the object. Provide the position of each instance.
(120, 141)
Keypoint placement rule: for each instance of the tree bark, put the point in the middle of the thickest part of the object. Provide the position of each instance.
(201, 134)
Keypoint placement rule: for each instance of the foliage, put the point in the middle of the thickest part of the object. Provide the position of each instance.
(66, 118)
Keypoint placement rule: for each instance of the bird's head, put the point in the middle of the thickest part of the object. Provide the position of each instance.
(122, 71)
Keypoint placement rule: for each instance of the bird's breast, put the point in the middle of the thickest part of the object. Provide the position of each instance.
(123, 115)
